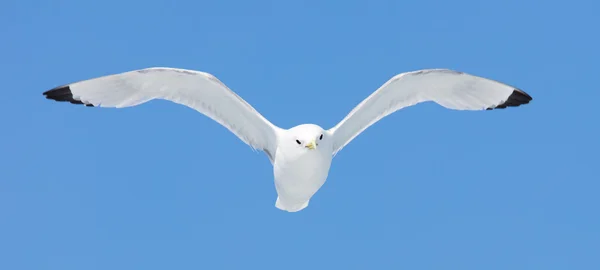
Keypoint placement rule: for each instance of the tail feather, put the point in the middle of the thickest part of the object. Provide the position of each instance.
(290, 208)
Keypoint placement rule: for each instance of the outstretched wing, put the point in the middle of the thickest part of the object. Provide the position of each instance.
(448, 88)
(198, 90)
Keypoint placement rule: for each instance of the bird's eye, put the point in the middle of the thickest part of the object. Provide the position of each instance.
(298, 142)
(320, 138)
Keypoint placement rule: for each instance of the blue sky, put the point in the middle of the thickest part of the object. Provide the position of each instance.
(160, 186)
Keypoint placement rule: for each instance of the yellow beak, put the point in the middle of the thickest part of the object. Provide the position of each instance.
(311, 145)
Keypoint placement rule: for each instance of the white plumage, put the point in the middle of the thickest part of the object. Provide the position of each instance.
(301, 156)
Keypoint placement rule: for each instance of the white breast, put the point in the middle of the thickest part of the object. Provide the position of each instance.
(298, 178)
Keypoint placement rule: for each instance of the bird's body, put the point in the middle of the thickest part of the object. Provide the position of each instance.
(301, 156)
(300, 173)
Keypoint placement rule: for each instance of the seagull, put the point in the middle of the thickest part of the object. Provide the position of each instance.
(301, 156)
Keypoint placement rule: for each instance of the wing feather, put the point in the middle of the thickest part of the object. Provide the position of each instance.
(448, 88)
(198, 90)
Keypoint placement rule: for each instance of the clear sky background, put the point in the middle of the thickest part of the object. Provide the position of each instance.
(160, 186)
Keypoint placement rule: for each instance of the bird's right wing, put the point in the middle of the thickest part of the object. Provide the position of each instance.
(198, 90)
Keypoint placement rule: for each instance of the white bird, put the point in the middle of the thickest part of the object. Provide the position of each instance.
(301, 156)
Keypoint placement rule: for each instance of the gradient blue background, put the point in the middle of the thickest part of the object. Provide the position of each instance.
(160, 186)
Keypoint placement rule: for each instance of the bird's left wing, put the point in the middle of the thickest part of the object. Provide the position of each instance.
(448, 88)
(198, 90)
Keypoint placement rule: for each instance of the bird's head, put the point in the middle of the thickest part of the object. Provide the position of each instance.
(308, 137)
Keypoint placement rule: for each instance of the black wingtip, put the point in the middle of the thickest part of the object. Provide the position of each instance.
(517, 98)
(63, 93)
